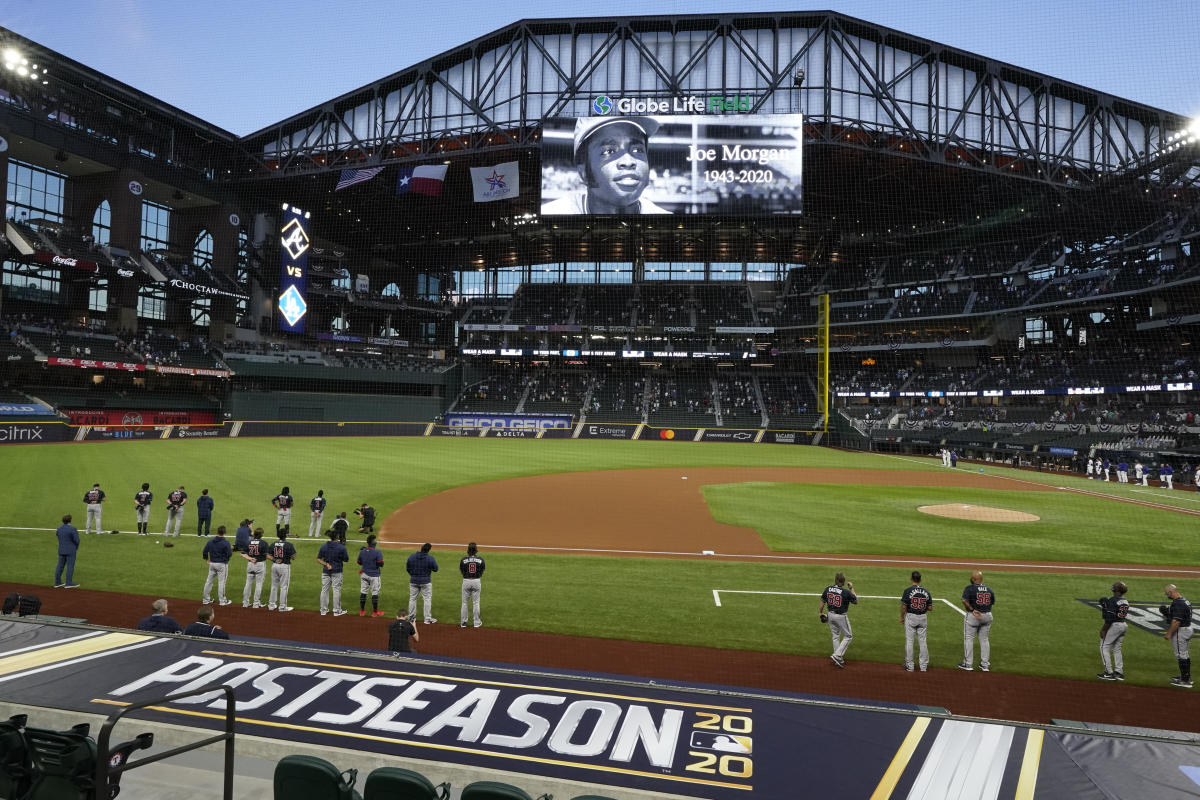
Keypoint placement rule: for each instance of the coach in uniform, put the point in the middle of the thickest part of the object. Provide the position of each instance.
(471, 566)
(836, 599)
(283, 510)
(915, 604)
(204, 509)
(421, 566)
(1166, 476)
(612, 156)
(217, 553)
(141, 506)
(370, 574)
(282, 553)
(1112, 633)
(68, 548)
(331, 557)
(317, 506)
(94, 497)
(176, 500)
(256, 570)
(1179, 633)
(977, 599)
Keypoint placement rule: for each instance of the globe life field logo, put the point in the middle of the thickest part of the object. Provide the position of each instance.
(602, 105)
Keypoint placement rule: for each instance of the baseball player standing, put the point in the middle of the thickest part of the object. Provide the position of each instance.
(217, 553)
(1112, 633)
(1122, 472)
(283, 510)
(1166, 476)
(204, 509)
(256, 570)
(370, 577)
(1179, 632)
(68, 548)
(331, 557)
(1107, 467)
(141, 506)
(317, 506)
(1091, 468)
(94, 497)
(978, 599)
(837, 599)
(915, 605)
(176, 500)
(421, 566)
(471, 566)
(1197, 479)
(282, 553)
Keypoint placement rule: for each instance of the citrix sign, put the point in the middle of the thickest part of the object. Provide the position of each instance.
(603, 105)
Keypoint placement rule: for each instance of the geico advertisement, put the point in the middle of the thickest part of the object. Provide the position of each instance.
(591, 730)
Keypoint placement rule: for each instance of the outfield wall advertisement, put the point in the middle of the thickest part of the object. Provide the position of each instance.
(535, 422)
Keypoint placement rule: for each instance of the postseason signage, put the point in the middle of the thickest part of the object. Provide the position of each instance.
(623, 163)
(1186, 386)
(294, 244)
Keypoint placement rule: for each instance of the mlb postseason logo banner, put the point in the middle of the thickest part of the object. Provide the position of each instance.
(294, 244)
(680, 155)
(512, 421)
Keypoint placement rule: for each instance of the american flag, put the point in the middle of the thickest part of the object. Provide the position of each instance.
(352, 176)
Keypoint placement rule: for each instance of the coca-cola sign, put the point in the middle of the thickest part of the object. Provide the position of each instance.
(65, 261)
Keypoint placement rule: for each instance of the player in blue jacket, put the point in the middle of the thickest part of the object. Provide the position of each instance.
(421, 567)
(204, 509)
(370, 562)
(217, 553)
(1166, 476)
(317, 507)
(331, 557)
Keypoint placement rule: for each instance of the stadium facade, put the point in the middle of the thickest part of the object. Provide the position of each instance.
(962, 215)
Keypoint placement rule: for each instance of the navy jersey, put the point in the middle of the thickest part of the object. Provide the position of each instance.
(282, 501)
(206, 630)
(1166, 469)
(143, 498)
(979, 597)
(317, 504)
(241, 539)
(333, 553)
(282, 551)
(93, 496)
(177, 498)
(217, 550)
(471, 566)
(1115, 608)
(257, 549)
(204, 505)
(1181, 609)
(421, 567)
(370, 560)
(838, 599)
(916, 599)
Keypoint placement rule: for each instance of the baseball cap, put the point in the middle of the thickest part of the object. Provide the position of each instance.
(587, 126)
(247, 521)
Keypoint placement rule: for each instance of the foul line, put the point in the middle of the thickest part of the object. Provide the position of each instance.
(717, 596)
(1156, 494)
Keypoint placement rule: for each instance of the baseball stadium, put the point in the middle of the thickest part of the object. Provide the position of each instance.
(873, 474)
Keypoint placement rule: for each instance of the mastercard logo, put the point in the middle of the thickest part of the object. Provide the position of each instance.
(667, 434)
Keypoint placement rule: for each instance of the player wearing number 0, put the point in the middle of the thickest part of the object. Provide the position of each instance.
(471, 566)
(915, 604)
(283, 510)
(1112, 633)
(837, 599)
(978, 598)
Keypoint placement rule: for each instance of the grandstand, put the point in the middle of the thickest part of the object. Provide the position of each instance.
(1010, 265)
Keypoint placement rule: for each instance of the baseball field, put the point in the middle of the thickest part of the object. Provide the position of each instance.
(707, 545)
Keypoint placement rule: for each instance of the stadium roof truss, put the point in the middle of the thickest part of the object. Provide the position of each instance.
(860, 86)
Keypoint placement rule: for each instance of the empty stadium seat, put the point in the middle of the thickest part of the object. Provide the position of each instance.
(396, 783)
(14, 758)
(591, 797)
(494, 790)
(63, 763)
(312, 778)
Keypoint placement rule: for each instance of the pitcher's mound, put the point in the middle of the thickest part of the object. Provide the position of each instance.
(978, 513)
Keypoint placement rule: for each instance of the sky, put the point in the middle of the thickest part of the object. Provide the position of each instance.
(247, 64)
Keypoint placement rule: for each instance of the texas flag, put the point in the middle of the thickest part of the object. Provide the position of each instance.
(495, 183)
(425, 179)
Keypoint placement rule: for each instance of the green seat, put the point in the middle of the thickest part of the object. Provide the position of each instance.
(395, 783)
(14, 758)
(592, 797)
(64, 764)
(312, 778)
(494, 790)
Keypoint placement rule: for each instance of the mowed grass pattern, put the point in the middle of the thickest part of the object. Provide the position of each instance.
(838, 518)
(1040, 627)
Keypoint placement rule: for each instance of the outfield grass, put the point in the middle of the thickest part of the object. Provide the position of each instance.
(1040, 628)
(841, 518)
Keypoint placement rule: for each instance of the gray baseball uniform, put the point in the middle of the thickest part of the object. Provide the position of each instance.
(916, 602)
